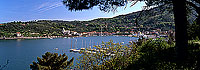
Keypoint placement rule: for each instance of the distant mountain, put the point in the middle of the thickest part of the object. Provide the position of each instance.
(151, 19)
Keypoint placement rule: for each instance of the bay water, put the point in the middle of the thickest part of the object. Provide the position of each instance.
(21, 53)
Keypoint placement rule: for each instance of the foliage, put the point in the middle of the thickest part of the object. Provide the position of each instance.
(109, 5)
(193, 8)
(104, 5)
(51, 61)
(153, 45)
(193, 31)
(108, 56)
(151, 54)
(158, 54)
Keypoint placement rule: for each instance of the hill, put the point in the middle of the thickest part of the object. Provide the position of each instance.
(154, 18)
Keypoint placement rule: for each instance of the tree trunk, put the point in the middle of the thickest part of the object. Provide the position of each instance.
(179, 8)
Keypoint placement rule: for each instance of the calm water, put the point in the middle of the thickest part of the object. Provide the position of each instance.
(21, 53)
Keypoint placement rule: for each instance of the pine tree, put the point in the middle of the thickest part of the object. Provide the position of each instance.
(51, 61)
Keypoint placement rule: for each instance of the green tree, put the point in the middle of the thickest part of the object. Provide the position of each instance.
(110, 56)
(194, 31)
(179, 9)
(51, 61)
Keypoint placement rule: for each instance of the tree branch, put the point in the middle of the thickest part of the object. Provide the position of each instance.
(194, 6)
(197, 1)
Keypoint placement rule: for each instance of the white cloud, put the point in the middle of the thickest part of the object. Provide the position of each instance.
(48, 6)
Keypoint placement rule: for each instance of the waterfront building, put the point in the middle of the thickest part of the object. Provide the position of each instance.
(118, 32)
(18, 34)
(126, 32)
(66, 31)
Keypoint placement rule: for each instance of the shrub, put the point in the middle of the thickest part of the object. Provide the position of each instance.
(107, 56)
(158, 55)
(51, 61)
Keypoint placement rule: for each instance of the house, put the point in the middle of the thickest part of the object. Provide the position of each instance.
(18, 34)
(118, 32)
(131, 32)
(126, 32)
(23, 24)
(66, 31)
(84, 33)
(113, 33)
(90, 33)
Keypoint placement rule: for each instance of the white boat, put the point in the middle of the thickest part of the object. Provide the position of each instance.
(88, 52)
(94, 52)
(105, 48)
(56, 48)
(102, 50)
(82, 48)
(113, 54)
(107, 54)
(76, 50)
(72, 50)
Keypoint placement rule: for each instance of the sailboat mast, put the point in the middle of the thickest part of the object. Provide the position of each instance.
(74, 44)
(101, 30)
(82, 43)
(71, 44)
(90, 43)
(85, 44)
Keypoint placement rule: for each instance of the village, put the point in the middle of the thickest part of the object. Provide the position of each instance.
(157, 33)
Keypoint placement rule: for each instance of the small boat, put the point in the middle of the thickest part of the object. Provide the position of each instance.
(105, 48)
(102, 50)
(56, 48)
(88, 52)
(107, 54)
(113, 54)
(76, 50)
(50, 38)
(94, 52)
(92, 49)
(71, 50)
(82, 48)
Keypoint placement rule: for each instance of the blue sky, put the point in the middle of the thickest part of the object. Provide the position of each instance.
(27, 10)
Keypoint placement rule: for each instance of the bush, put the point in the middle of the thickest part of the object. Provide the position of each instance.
(51, 61)
(108, 56)
(193, 31)
(154, 45)
(151, 54)
(158, 55)
(154, 54)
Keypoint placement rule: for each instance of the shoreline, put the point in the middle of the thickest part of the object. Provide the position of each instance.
(14, 38)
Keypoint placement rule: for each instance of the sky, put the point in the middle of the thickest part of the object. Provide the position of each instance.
(28, 10)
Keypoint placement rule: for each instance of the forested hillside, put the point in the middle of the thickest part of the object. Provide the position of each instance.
(150, 19)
